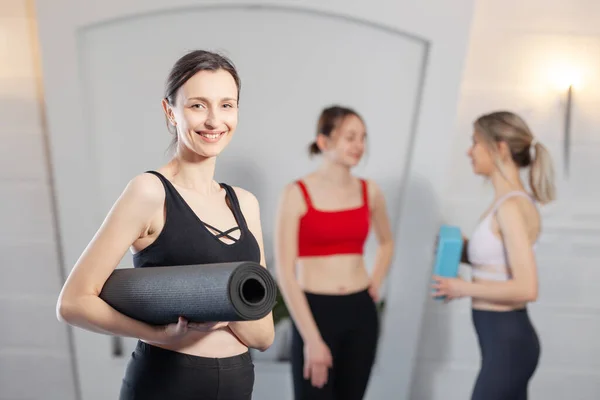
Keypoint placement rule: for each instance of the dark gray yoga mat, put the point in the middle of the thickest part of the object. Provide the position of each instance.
(236, 291)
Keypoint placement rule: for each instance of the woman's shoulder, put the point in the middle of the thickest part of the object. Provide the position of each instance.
(145, 187)
(248, 201)
(295, 186)
(517, 208)
(516, 199)
(373, 189)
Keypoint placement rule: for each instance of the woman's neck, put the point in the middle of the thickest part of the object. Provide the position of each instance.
(194, 172)
(506, 180)
(335, 173)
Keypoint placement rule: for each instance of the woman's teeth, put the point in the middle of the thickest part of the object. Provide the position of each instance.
(210, 135)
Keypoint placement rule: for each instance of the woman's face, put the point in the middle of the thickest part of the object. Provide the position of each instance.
(205, 112)
(346, 145)
(481, 157)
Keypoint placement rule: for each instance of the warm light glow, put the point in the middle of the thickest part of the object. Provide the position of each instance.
(563, 76)
(552, 63)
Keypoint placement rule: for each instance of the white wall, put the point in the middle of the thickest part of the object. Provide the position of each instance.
(515, 52)
(444, 26)
(34, 353)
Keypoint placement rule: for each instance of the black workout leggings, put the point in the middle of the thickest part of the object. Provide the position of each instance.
(349, 325)
(510, 352)
(154, 373)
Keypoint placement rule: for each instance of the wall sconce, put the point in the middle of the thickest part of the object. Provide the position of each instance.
(567, 132)
(567, 78)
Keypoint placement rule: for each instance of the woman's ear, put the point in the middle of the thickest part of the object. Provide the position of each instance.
(168, 112)
(504, 150)
(322, 142)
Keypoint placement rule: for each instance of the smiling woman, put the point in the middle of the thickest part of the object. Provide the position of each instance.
(178, 215)
(185, 101)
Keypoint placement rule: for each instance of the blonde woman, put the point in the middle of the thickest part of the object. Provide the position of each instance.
(501, 252)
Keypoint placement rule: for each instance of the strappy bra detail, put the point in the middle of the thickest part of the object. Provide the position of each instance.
(221, 233)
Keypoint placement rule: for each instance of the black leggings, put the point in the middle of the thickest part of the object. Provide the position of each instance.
(349, 326)
(510, 352)
(154, 373)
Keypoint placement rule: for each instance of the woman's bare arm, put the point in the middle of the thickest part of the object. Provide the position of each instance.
(291, 208)
(381, 225)
(261, 333)
(79, 303)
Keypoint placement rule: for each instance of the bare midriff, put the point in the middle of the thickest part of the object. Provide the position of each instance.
(219, 343)
(335, 274)
(479, 304)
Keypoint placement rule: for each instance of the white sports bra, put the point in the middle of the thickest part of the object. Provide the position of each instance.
(486, 249)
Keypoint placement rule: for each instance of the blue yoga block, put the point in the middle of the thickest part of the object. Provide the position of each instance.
(449, 251)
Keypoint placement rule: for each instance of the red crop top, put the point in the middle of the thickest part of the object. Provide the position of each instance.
(323, 233)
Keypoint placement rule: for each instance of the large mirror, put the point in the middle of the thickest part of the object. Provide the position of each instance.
(292, 64)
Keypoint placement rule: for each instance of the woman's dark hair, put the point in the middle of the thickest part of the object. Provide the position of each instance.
(190, 64)
(329, 120)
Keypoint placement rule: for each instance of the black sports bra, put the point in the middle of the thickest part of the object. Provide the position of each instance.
(187, 240)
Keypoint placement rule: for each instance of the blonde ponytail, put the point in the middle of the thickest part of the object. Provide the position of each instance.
(541, 175)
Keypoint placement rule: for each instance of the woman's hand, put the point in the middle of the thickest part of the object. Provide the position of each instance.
(450, 288)
(317, 361)
(171, 333)
(374, 292)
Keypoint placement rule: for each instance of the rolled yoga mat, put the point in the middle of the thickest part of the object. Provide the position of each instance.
(235, 291)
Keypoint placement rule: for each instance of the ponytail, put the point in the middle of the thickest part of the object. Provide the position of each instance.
(541, 175)
(313, 149)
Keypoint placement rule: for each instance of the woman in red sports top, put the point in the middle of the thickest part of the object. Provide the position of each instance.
(322, 224)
